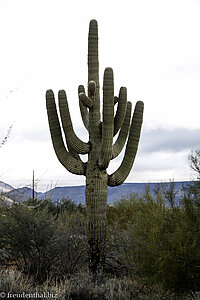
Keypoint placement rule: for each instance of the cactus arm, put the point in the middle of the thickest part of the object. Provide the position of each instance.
(108, 119)
(124, 169)
(116, 99)
(70, 163)
(100, 147)
(121, 139)
(78, 145)
(121, 110)
(83, 109)
(85, 100)
(73, 153)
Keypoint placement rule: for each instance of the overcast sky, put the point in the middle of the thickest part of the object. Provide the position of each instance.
(154, 50)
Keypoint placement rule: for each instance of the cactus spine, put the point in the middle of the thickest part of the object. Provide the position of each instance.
(100, 147)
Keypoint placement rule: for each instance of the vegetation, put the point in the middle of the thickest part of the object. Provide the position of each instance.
(152, 248)
(100, 147)
(39, 241)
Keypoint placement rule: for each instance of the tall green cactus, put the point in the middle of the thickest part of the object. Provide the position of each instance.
(100, 147)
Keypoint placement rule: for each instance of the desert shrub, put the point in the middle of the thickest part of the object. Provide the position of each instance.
(26, 234)
(120, 216)
(57, 207)
(70, 206)
(75, 221)
(42, 243)
(69, 244)
(44, 204)
(70, 253)
(162, 244)
(121, 211)
(4, 256)
(123, 218)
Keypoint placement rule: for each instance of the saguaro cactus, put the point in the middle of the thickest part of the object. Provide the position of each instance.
(100, 147)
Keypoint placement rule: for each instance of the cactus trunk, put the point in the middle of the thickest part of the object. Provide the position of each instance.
(100, 148)
(96, 201)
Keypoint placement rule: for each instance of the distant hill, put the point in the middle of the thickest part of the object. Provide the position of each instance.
(23, 194)
(77, 193)
(4, 187)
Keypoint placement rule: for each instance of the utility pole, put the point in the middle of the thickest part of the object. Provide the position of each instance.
(33, 186)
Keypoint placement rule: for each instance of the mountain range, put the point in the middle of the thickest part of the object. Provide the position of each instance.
(77, 193)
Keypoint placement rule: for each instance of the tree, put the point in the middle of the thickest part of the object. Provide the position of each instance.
(100, 147)
(194, 188)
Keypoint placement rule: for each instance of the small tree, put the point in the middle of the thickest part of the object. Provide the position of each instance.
(194, 188)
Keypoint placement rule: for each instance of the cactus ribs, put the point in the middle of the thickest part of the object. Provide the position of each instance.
(100, 147)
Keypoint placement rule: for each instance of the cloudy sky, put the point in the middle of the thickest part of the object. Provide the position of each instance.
(154, 50)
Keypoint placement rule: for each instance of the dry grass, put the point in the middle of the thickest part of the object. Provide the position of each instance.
(84, 287)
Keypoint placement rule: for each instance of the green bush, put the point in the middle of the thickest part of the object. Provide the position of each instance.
(43, 242)
(55, 208)
(26, 235)
(161, 242)
(69, 244)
